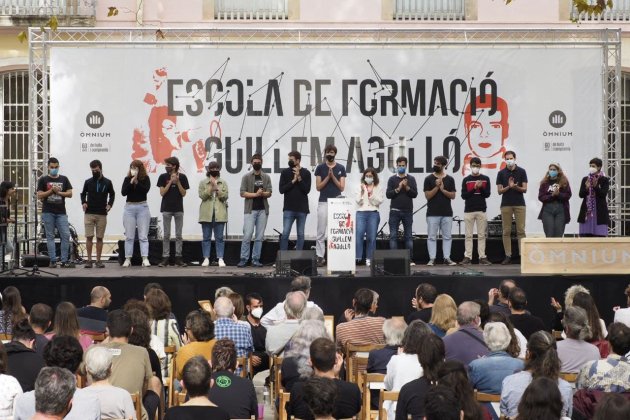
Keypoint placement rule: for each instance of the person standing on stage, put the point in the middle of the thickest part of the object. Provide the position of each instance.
(173, 186)
(330, 181)
(593, 217)
(368, 198)
(439, 189)
(475, 190)
(97, 199)
(7, 194)
(213, 212)
(512, 186)
(401, 189)
(255, 189)
(137, 214)
(295, 184)
(53, 189)
(554, 193)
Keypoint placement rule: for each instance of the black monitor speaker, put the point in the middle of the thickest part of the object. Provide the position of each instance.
(391, 262)
(296, 263)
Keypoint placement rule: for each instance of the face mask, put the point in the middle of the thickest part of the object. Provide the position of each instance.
(401, 170)
(475, 170)
(437, 169)
(133, 172)
(96, 175)
(257, 312)
(592, 170)
(291, 164)
(553, 173)
(54, 171)
(369, 180)
(257, 166)
(169, 170)
(510, 162)
(214, 173)
(330, 158)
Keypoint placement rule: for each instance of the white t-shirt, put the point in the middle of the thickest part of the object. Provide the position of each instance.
(9, 389)
(116, 402)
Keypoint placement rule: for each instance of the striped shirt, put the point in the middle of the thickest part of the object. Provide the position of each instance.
(360, 331)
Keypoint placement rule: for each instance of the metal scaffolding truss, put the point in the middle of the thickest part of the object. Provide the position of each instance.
(609, 40)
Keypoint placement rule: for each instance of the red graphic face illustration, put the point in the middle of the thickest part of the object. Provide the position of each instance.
(487, 134)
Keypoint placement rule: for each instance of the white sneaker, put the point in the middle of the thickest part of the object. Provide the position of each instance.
(127, 263)
(205, 263)
(368, 262)
(412, 264)
(221, 262)
(431, 262)
(145, 262)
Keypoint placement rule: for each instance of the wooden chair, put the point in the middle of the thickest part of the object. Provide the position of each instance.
(137, 404)
(277, 377)
(6, 337)
(329, 322)
(179, 398)
(81, 380)
(243, 363)
(169, 381)
(285, 397)
(557, 334)
(385, 396)
(569, 377)
(356, 359)
(369, 382)
(482, 397)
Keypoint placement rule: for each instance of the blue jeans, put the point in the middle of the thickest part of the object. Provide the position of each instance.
(136, 215)
(445, 225)
(207, 229)
(395, 217)
(59, 221)
(367, 225)
(300, 221)
(256, 219)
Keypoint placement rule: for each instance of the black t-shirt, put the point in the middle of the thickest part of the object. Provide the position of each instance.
(195, 412)
(475, 198)
(5, 215)
(172, 201)
(54, 203)
(423, 315)
(330, 190)
(259, 202)
(347, 403)
(512, 197)
(92, 312)
(259, 335)
(527, 324)
(439, 205)
(234, 394)
(411, 399)
(156, 366)
(295, 195)
(290, 373)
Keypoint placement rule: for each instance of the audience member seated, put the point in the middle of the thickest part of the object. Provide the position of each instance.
(613, 407)
(279, 334)
(573, 351)
(487, 373)
(320, 395)
(443, 315)
(115, 402)
(196, 382)
(518, 344)
(223, 291)
(9, 387)
(362, 329)
(484, 312)
(93, 317)
(422, 303)
(62, 352)
(254, 307)
(498, 299)
(226, 327)
(466, 344)
(24, 363)
(67, 323)
(613, 373)
(296, 361)
(623, 314)
(141, 336)
(40, 317)
(541, 361)
(155, 342)
(12, 309)
(54, 392)
(277, 314)
(349, 314)
(541, 400)
(163, 323)
(442, 404)
(326, 363)
(521, 319)
(411, 399)
(453, 375)
(198, 338)
(569, 294)
(229, 391)
(239, 308)
(598, 326)
(393, 330)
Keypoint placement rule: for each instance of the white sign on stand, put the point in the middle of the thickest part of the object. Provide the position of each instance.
(341, 233)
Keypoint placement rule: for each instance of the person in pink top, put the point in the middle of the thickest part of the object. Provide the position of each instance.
(66, 322)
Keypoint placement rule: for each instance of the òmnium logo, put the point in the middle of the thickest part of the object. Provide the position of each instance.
(557, 119)
(95, 120)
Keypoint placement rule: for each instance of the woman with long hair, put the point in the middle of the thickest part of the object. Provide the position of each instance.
(598, 326)
(554, 193)
(452, 374)
(541, 361)
(541, 401)
(66, 323)
(163, 323)
(296, 362)
(136, 215)
(518, 343)
(443, 315)
(12, 309)
(369, 197)
(7, 192)
(593, 218)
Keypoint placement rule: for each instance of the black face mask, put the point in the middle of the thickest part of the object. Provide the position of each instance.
(213, 173)
(291, 164)
(437, 169)
(169, 170)
(257, 166)
(96, 175)
(330, 158)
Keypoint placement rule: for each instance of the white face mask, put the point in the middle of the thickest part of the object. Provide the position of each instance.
(592, 170)
(475, 170)
(133, 172)
(257, 312)
(510, 162)
(369, 180)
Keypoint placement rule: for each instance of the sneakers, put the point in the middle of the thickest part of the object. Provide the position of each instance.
(431, 263)
(127, 263)
(448, 261)
(99, 264)
(241, 264)
(53, 264)
(465, 261)
(321, 262)
(412, 264)
(68, 264)
(164, 263)
(180, 262)
(256, 264)
(145, 262)
(368, 262)
(221, 262)
(507, 260)
(484, 261)
(206, 262)
(88, 264)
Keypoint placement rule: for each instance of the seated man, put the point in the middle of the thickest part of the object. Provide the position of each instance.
(442, 404)
(326, 363)
(277, 314)
(423, 302)
(54, 389)
(254, 306)
(93, 317)
(226, 327)
(574, 351)
(362, 329)
(521, 319)
(613, 373)
(466, 344)
(23, 362)
(498, 298)
(40, 317)
(279, 334)
(199, 331)
(230, 392)
(319, 395)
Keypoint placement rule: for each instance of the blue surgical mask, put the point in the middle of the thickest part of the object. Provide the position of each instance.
(54, 171)
(401, 169)
(553, 173)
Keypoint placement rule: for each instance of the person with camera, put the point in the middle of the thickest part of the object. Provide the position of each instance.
(554, 193)
(401, 190)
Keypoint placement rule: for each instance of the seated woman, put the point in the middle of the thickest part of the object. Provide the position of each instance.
(541, 400)
(443, 315)
(574, 351)
(66, 322)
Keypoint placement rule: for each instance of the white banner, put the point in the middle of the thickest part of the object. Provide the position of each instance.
(341, 252)
(203, 104)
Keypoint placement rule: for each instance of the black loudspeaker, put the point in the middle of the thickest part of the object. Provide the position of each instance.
(296, 263)
(391, 262)
(30, 261)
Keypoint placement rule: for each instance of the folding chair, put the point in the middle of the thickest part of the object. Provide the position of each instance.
(385, 396)
(370, 381)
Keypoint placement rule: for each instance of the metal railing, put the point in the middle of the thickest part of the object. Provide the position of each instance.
(48, 7)
(251, 9)
(619, 12)
(430, 10)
